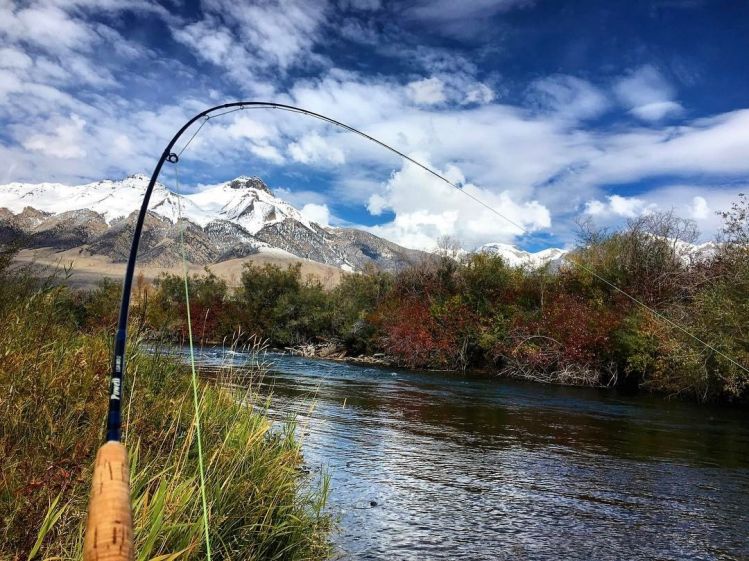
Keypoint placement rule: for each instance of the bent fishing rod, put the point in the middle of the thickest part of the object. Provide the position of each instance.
(109, 531)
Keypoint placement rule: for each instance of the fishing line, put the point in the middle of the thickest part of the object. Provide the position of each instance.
(196, 401)
(110, 510)
(476, 199)
(193, 136)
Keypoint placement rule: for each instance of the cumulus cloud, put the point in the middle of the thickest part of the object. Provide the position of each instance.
(267, 152)
(45, 26)
(479, 93)
(427, 209)
(317, 213)
(460, 89)
(699, 209)
(616, 205)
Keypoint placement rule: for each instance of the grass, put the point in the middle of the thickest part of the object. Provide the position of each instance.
(53, 385)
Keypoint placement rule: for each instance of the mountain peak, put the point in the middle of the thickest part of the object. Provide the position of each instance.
(249, 182)
(138, 177)
(229, 220)
(515, 256)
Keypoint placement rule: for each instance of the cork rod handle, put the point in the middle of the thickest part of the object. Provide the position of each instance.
(109, 532)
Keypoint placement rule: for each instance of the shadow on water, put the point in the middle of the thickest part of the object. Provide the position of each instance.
(437, 466)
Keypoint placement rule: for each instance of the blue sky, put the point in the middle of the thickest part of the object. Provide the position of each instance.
(549, 111)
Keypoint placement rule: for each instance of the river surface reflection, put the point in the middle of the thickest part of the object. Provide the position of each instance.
(438, 466)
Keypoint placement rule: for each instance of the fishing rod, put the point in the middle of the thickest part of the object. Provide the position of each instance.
(109, 531)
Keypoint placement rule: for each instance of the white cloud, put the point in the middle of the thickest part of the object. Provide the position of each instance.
(244, 127)
(300, 197)
(627, 207)
(14, 58)
(568, 97)
(210, 41)
(700, 203)
(460, 88)
(479, 93)
(429, 91)
(463, 20)
(248, 39)
(426, 209)
(312, 148)
(268, 152)
(647, 94)
(716, 145)
(700, 210)
(317, 213)
(377, 204)
(63, 141)
(48, 27)
(657, 110)
(527, 161)
(348, 96)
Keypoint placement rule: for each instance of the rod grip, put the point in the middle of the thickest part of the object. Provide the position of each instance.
(109, 531)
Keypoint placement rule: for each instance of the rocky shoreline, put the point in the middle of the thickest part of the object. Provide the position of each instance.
(335, 351)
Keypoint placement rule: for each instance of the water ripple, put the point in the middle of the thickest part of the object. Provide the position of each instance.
(428, 466)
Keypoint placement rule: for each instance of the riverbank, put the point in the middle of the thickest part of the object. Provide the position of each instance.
(338, 352)
(54, 369)
(665, 321)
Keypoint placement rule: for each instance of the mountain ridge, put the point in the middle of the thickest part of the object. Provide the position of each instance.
(234, 219)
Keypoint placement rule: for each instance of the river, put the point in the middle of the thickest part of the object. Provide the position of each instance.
(441, 466)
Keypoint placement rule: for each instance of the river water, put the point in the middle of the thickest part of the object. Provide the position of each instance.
(441, 466)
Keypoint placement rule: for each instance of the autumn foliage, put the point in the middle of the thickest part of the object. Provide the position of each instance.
(567, 323)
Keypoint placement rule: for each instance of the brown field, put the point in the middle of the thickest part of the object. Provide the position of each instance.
(86, 269)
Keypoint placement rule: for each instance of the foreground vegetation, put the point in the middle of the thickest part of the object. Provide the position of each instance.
(569, 324)
(54, 363)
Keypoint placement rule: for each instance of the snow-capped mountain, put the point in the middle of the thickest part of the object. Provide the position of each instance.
(516, 257)
(224, 221)
(246, 201)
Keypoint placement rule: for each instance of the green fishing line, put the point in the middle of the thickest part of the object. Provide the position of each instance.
(196, 401)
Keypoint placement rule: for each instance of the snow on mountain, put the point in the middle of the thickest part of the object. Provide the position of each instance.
(246, 201)
(229, 220)
(517, 257)
(695, 253)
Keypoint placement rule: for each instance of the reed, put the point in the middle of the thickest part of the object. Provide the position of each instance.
(53, 380)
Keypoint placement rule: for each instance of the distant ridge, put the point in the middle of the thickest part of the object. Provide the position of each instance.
(518, 257)
(230, 220)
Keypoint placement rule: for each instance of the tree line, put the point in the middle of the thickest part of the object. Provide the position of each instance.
(583, 321)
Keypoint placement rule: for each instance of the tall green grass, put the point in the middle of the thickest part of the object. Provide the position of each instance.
(53, 385)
